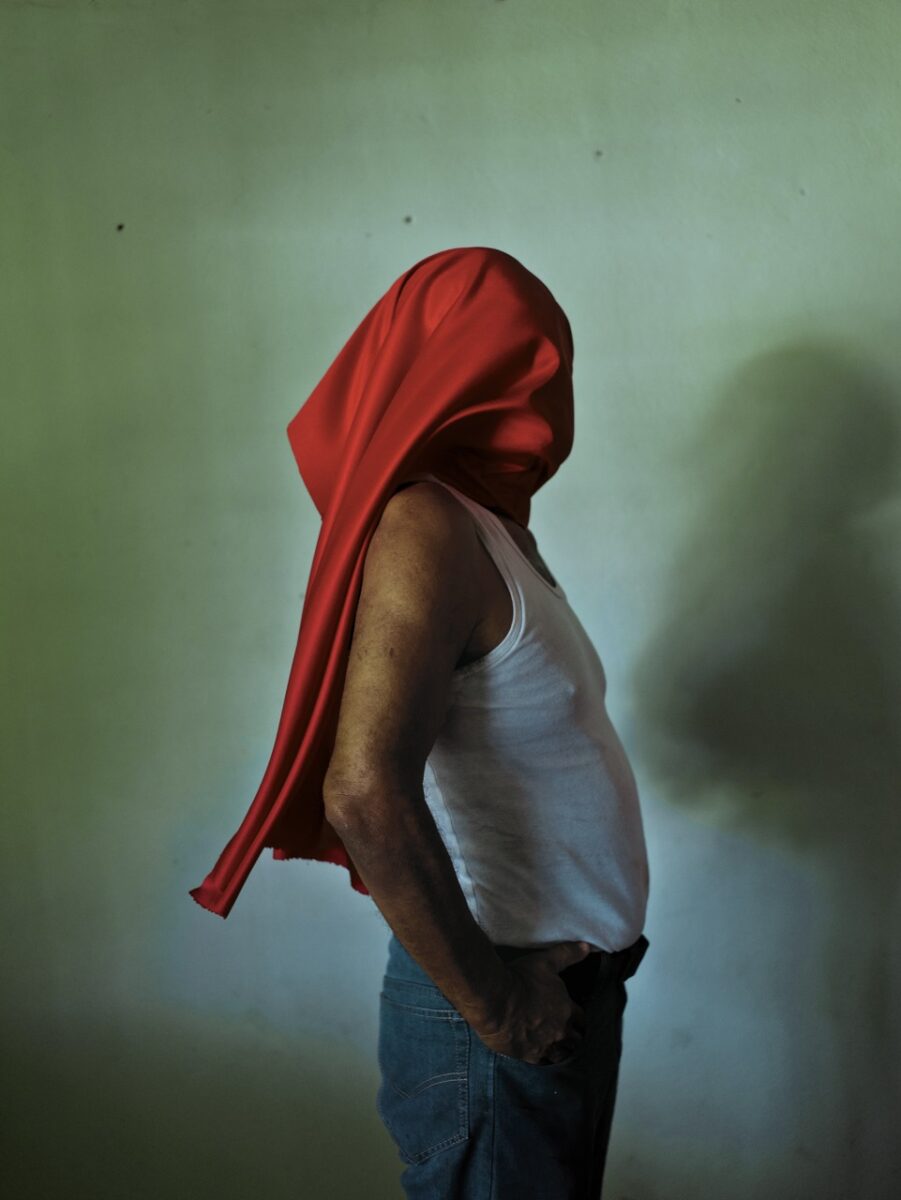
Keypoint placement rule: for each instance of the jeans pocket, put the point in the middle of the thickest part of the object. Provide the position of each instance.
(423, 1058)
(543, 1066)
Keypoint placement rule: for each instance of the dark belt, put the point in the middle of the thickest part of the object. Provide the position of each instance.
(580, 977)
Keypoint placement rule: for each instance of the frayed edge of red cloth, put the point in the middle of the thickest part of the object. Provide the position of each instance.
(214, 900)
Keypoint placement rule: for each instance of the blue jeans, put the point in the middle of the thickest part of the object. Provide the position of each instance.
(473, 1124)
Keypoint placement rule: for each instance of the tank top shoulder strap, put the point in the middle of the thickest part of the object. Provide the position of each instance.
(496, 540)
(502, 545)
(491, 532)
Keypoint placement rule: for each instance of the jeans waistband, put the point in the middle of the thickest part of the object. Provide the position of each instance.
(613, 964)
(580, 976)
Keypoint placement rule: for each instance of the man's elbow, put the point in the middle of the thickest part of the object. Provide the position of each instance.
(362, 801)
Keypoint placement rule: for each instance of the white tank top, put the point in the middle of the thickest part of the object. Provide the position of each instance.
(528, 782)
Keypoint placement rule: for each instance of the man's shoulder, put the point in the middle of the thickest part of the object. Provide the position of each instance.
(423, 495)
(422, 562)
(426, 512)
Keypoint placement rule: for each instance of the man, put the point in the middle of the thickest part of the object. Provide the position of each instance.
(445, 737)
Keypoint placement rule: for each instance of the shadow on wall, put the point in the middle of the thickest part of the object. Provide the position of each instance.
(768, 700)
(174, 1107)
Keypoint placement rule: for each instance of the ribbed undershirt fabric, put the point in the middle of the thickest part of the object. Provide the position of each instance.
(528, 782)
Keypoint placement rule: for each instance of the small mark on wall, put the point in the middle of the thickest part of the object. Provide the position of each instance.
(407, 220)
(120, 226)
(599, 153)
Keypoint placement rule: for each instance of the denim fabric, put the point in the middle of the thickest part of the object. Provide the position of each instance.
(472, 1124)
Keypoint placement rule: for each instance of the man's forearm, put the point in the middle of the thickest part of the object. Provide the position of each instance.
(398, 851)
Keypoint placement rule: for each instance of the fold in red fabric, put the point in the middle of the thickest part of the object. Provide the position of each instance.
(463, 369)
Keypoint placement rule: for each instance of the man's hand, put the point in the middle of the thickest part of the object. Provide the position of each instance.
(539, 1023)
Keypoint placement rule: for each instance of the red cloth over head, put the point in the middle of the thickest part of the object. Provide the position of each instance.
(463, 369)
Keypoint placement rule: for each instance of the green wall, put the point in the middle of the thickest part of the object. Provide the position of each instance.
(199, 202)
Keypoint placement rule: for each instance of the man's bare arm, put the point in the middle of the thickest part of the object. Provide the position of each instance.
(417, 609)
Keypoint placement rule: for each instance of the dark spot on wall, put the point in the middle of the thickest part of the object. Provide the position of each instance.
(407, 220)
(598, 153)
(802, 191)
(120, 226)
(738, 99)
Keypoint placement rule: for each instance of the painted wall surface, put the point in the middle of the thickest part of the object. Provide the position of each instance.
(200, 200)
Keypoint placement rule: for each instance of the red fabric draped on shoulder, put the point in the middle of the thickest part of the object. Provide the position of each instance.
(462, 369)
